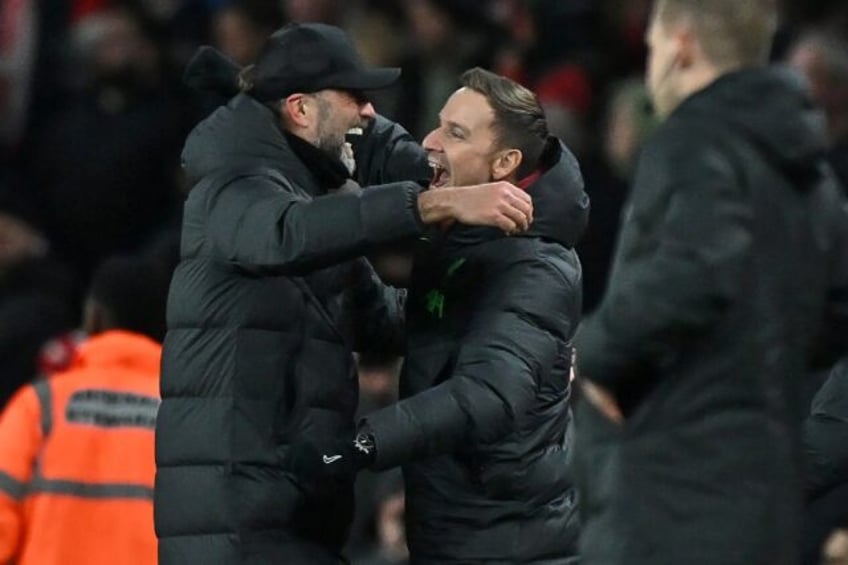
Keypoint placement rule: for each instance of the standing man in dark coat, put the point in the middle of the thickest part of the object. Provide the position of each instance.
(731, 257)
(484, 427)
(258, 350)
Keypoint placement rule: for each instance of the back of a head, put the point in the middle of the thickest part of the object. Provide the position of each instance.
(130, 294)
(519, 120)
(732, 33)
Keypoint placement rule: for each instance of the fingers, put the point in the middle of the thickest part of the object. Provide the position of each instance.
(518, 206)
(519, 218)
(518, 193)
(506, 224)
(498, 204)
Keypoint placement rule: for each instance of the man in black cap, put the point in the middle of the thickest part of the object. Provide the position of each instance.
(258, 351)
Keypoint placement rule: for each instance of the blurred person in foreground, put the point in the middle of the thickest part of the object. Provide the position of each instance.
(76, 450)
(730, 276)
(271, 296)
(483, 427)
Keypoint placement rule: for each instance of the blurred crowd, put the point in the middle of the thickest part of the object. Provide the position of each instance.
(93, 114)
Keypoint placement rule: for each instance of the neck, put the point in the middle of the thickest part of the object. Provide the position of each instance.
(699, 78)
(299, 132)
(329, 171)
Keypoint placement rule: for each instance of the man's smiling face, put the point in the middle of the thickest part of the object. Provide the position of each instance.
(461, 150)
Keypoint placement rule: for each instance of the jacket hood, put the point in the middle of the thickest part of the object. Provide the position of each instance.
(241, 135)
(758, 102)
(560, 205)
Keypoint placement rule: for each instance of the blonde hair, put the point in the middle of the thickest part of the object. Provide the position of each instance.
(732, 33)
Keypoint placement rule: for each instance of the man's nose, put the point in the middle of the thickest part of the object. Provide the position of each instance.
(432, 142)
(367, 111)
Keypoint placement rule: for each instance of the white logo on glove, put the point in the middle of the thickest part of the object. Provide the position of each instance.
(333, 459)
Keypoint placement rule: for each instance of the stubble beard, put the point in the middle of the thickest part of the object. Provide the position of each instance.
(330, 142)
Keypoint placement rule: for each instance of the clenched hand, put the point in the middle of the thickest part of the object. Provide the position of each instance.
(497, 204)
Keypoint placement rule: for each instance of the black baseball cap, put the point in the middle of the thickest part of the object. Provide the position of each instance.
(308, 57)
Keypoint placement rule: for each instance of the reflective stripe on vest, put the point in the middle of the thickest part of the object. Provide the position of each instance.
(11, 486)
(16, 490)
(41, 485)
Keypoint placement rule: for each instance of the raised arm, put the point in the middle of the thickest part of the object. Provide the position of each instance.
(257, 223)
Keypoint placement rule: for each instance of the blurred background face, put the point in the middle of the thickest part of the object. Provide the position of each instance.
(115, 50)
(461, 149)
(628, 123)
(824, 63)
(327, 11)
(807, 60)
(662, 58)
(431, 27)
(237, 36)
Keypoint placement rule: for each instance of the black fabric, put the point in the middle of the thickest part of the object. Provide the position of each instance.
(209, 70)
(825, 437)
(308, 57)
(484, 428)
(264, 310)
(332, 458)
(731, 255)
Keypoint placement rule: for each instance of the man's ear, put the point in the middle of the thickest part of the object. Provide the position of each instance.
(506, 164)
(688, 46)
(295, 110)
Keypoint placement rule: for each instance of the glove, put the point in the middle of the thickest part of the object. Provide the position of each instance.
(334, 458)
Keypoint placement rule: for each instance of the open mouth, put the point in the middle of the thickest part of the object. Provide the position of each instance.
(441, 176)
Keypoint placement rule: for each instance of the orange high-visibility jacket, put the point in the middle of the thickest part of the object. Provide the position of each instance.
(76, 459)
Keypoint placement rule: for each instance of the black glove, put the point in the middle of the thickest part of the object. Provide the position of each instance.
(330, 458)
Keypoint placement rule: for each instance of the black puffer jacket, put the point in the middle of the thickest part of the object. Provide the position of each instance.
(731, 255)
(825, 437)
(485, 429)
(258, 350)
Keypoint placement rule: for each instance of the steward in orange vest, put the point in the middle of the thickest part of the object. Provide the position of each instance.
(76, 450)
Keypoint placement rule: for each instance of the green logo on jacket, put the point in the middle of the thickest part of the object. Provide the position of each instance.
(435, 303)
(435, 299)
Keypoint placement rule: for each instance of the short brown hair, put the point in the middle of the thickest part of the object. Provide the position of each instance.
(732, 32)
(519, 119)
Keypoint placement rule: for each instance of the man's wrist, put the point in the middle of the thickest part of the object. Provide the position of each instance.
(435, 206)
